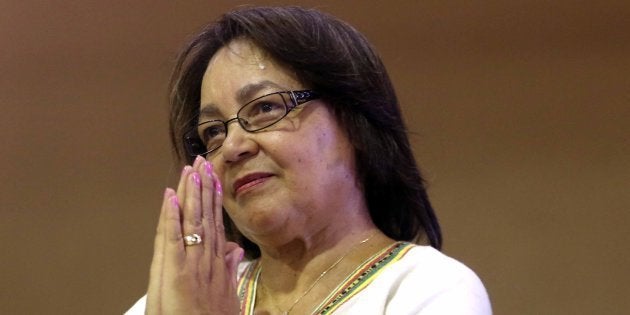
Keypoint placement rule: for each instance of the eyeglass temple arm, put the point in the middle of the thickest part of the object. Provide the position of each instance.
(304, 96)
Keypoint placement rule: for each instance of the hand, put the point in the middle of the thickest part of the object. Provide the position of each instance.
(195, 279)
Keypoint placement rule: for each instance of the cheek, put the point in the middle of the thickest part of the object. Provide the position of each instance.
(326, 161)
(217, 167)
(333, 148)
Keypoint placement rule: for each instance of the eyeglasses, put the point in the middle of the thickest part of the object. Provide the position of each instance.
(256, 115)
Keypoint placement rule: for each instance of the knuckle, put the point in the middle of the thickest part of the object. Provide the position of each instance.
(220, 227)
(195, 223)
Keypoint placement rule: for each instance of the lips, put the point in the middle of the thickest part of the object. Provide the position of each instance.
(249, 180)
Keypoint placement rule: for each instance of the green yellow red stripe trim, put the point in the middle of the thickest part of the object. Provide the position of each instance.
(351, 286)
(362, 277)
(246, 287)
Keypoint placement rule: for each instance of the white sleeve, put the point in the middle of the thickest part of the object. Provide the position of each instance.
(442, 286)
(423, 282)
(139, 307)
(466, 297)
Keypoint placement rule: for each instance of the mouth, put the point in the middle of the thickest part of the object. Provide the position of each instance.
(248, 181)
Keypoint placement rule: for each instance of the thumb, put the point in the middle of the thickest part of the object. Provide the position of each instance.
(233, 256)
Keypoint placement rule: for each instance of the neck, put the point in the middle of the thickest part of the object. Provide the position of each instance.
(302, 263)
(306, 281)
(306, 254)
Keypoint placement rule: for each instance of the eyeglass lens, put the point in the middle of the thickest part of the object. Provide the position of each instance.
(253, 116)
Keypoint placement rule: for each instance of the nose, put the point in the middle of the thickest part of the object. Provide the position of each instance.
(238, 144)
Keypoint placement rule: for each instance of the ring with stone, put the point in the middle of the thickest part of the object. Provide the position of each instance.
(192, 239)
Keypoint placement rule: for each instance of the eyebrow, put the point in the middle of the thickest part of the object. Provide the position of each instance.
(243, 95)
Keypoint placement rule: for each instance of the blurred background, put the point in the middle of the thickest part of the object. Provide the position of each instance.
(519, 113)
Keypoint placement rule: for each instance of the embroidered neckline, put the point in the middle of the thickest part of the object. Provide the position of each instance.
(247, 286)
(362, 276)
(357, 280)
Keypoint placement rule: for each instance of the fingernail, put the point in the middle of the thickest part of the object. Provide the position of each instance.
(240, 257)
(209, 168)
(168, 191)
(219, 187)
(175, 201)
(186, 169)
(198, 159)
(196, 178)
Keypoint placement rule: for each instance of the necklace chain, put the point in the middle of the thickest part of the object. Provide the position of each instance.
(316, 280)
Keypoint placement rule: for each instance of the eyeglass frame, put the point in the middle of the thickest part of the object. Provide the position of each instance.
(297, 97)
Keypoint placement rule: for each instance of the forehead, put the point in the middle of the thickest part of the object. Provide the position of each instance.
(238, 73)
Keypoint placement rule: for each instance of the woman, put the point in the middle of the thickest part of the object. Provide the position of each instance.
(299, 160)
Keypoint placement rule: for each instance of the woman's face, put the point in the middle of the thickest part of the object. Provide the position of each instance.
(291, 180)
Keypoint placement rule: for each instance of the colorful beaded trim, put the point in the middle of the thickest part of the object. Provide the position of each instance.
(351, 286)
(363, 276)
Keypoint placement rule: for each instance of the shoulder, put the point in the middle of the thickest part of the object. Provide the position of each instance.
(431, 264)
(435, 283)
(420, 280)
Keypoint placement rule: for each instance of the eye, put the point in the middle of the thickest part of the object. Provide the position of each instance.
(263, 112)
(211, 132)
(264, 107)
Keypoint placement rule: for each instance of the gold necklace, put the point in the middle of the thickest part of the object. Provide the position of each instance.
(273, 301)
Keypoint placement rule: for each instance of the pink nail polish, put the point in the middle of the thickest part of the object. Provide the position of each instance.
(217, 183)
(240, 257)
(209, 168)
(175, 201)
(196, 178)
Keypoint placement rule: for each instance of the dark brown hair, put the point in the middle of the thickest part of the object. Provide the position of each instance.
(332, 58)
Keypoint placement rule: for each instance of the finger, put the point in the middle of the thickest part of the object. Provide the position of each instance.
(233, 256)
(191, 223)
(207, 202)
(207, 191)
(214, 256)
(198, 161)
(157, 264)
(181, 186)
(173, 243)
(219, 235)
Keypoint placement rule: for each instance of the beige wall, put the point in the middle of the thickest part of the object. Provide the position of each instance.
(520, 113)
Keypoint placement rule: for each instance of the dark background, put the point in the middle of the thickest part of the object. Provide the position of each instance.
(519, 112)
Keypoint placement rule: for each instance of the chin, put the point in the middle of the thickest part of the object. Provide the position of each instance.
(262, 221)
